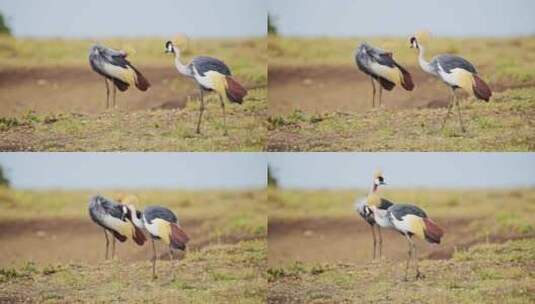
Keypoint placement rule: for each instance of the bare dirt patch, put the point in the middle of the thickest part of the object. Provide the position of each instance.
(79, 89)
(349, 240)
(63, 240)
(319, 89)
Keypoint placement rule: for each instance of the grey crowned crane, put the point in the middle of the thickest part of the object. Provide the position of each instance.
(113, 66)
(456, 72)
(381, 67)
(364, 206)
(115, 219)
(210, 74)
(409, 220)
(162, 224)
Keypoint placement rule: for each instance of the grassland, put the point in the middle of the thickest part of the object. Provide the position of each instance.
(486, 273)
(490, 235)
(226, 261)
(330, 108)
(54, 102)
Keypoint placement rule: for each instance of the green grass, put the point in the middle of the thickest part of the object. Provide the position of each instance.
(247, 57)
(244, 212)
(485, 208)
(504, 124)
(486, 273)
(144, 130)
(510, 60)
(147, 130)
(214, 274)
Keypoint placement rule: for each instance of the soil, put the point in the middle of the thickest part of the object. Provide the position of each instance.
(320, 89)
(60, 240)
(80, 90)
(349, 240)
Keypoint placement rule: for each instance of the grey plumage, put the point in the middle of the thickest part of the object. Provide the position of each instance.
(100, 56)
(153, 212)
(99, 207)
(374, 62)
(449, 62)
(363, 209)
(367, 54)
(100, 211)
(113, 66)
(205, 64)
(400, 210)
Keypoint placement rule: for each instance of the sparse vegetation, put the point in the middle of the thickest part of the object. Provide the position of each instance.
(61, 109)
(491, 257)
(485, 273)
(339, 118)
(226, 262)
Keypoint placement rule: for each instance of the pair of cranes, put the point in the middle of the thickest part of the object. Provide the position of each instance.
(209, 73)
(123, 222)
(456, 72)
(407, 219)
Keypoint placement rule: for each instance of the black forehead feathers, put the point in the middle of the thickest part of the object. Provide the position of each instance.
(413, 39)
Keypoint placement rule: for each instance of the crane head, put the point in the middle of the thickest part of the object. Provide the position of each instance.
(419, 37)
(378, 178)
(169, 47)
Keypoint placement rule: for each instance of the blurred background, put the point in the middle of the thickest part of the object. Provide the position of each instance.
(101, 18)
(403, 170)
(46, 79)
(219, 198)
(342, 18)
(192, 171)
(476, 197)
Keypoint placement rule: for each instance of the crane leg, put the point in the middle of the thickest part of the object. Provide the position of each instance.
(107, 243)
(410, 255)
(374, 240)
(224, 115)
(450, 107)
(459, 112)
(107, 94)
(373, 96)
(113, 249)
(153, 260)
(380, 242)
(415, 256)
(380, 94)
(201, 110)
(114, 93)
(171, 255)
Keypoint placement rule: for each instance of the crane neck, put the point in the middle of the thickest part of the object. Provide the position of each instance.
(182, 68)
(421, 60)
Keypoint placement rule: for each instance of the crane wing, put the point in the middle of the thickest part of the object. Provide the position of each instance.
(450, 62)
(401, 210)
(205, 64)
(156, 212)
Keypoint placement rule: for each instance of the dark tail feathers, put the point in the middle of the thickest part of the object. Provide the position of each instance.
(387, 85)
(481, 89)
(178, 237)
(142, 83)
(407, 83)
(122, 86)
(138, 236)
(119, 236)
(432, 232)
(235, 91)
